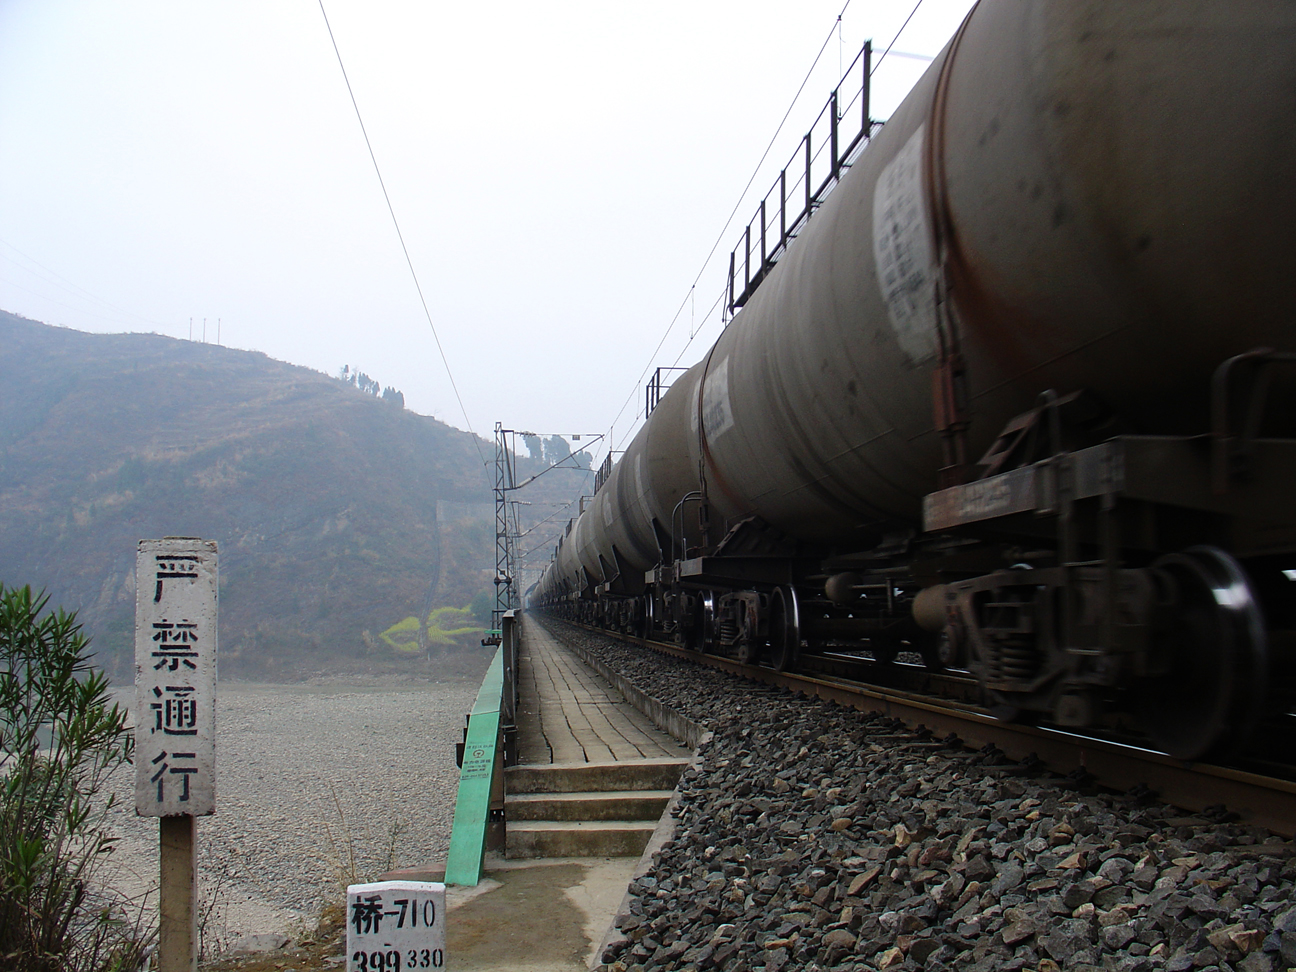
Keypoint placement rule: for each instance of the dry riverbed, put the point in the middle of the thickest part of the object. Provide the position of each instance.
(316, 786)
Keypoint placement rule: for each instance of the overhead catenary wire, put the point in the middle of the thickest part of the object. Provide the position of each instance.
(401, 236)
(555, 465)
(728, 222)
(558, 512)
(897, 37)
(912, 56)
(543, 544)
(688, 299)
(521, 558)
(687, 344)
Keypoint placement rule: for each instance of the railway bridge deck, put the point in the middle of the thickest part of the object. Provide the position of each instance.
(592, 779)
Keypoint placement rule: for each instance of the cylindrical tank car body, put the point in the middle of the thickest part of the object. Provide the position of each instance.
(1076, 218)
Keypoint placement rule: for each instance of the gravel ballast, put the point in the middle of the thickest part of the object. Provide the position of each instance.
(812, 836)
(315, 786)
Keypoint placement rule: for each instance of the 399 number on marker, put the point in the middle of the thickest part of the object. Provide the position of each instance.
(395, 926)
(392, 960)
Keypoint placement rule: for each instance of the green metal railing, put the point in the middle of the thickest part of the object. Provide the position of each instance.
(488, 746)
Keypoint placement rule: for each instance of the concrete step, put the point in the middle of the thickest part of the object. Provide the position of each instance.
(601, 805)
(639, 774)
(577, 838)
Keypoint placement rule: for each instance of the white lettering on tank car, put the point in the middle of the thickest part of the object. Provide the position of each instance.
(639, 488)
(902, 251)
(985, 499)
(717, 417)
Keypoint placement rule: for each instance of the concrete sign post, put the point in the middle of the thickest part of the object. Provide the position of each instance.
(175, 721)
(394, 926)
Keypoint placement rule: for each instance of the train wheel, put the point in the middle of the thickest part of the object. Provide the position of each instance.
(1214, 694)
(934, 650)
(708, 629)
(784, 629)
(699, 623)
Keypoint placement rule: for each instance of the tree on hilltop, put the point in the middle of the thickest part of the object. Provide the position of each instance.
(534, 446)
(362, 382)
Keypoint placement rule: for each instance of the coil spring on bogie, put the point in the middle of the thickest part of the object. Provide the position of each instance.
(1018, 659)
(1007, 622)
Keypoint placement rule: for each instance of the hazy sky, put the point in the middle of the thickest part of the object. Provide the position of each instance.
(559, 171)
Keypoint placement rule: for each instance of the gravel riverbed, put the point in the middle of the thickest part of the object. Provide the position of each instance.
(816, 837)
(316, 785)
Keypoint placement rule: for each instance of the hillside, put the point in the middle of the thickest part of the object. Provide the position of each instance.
(338, 514)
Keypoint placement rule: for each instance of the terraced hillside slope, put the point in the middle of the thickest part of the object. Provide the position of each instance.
(340, 516)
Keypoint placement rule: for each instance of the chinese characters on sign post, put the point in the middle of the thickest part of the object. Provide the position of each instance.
(175, 677)
(395, 925)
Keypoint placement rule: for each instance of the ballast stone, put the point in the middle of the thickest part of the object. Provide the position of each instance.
(252, 944)
(956, 867)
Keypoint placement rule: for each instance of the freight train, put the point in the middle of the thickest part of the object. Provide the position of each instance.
(1018, 399)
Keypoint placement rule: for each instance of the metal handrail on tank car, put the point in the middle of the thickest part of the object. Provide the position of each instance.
(803, 185)
(656, 388)
(697, 496)
(1231, 452)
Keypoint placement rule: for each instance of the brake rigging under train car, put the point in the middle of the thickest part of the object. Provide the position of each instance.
(1020, 397)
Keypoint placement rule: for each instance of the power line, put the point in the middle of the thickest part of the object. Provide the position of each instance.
(916, 57)
(896, 38)
(563, 508)
(911, 55)
(725, 229)
(836, 27)
(72, 288)
(555, 465)
(720, 237)
(50, 300)
(689, 342)
(401, 236)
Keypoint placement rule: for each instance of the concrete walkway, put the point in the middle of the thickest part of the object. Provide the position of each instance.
(550, 914)
(529, 916)
(535, 916)
(568, 713)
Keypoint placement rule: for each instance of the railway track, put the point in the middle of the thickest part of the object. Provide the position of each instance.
(1256, 797)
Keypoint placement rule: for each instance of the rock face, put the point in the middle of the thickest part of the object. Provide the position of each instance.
(817, 837)
(249, 944)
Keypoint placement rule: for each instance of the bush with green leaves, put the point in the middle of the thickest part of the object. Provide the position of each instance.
(61, 738)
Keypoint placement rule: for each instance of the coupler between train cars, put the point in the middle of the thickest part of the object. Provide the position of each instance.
(778, 623)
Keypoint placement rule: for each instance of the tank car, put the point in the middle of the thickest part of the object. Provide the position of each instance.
(1019, 397)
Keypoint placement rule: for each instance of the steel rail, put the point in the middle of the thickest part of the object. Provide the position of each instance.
(1264, 801)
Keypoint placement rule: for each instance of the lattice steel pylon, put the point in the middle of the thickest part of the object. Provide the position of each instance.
(506, 593)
